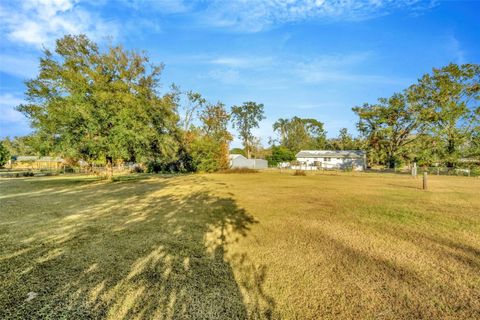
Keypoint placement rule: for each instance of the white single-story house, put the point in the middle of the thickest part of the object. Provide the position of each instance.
(239, 161)
(331, 159)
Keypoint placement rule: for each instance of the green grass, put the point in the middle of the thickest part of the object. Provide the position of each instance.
(234, 246)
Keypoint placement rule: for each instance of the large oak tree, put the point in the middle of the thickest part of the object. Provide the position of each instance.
(390, 125)
(101, 104)
(301, 133)
(450, 100)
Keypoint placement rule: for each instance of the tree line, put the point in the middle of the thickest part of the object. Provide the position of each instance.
(107, 106)
(434, 121)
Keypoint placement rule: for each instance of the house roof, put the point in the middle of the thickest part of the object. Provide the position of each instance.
(234, 156)
(330, 153)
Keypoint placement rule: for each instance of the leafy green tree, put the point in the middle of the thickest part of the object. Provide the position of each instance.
(209, 148)
(23, 146)
(281, 127)
(450, 98)
(344, 141)
(389, 126)
(238, 151)
(474, 144)
(245, 118)
(297, 133)
(280, 154)
(4, 154)
(194, 105)
(425, 150)
(91, 104)
(214, 120)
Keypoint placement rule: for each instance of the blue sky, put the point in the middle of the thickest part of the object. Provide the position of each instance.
(310, 58)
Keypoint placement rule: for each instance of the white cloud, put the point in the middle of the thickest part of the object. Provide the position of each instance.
(338, 67)
(455, 48)
(258, 15)
(8, 114)
(253, 16)
(22, 66)
(242, 62)
(163, 6)
(228, 76)
(39, 22)
(270, 72)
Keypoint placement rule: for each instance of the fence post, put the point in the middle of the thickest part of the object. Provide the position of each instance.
(425, 180)
(414, 170)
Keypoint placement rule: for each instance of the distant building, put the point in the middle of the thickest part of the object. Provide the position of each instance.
(34, 162)
(239, 161)
(331, 159)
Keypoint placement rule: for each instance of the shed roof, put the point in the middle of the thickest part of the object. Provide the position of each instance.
(234, 156)
(330, 153)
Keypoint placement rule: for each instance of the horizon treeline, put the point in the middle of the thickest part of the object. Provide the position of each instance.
(105, 106)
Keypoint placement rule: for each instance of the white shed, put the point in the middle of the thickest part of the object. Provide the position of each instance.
(331, 159)
(239, 161)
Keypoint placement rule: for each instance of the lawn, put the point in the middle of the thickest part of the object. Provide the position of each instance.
(235, 246)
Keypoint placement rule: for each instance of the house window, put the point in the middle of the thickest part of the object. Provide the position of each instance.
(326, 159)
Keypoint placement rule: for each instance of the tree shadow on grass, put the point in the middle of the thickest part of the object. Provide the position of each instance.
(392, 288)
(444, 248)
(155, 248)
(404, 186)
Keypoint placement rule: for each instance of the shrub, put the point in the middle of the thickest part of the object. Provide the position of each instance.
(157, 166)
(280, 154)
(103, 176)
(28, 174)
(239, 170)
(299, 173)
(475, 171)
(182, 164)
(4, 154)
(137, 169)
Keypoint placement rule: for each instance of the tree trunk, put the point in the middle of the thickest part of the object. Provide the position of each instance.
(390, 160)
(450, 150)
(247, 148)
(109, 167)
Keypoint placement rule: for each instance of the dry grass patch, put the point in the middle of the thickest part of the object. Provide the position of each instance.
(219, 246)
(239, 170)
(299, 173)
